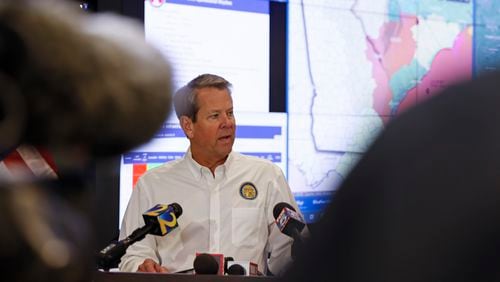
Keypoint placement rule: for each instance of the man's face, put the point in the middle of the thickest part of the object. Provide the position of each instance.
(212, 135)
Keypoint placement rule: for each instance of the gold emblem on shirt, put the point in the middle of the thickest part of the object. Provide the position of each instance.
(248, 191)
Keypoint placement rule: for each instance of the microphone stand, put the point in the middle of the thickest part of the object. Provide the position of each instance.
(112, 254)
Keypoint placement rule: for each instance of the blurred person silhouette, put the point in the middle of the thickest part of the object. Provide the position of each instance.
(83, 87)
(423, 204)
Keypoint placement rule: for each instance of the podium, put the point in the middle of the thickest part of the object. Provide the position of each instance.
(100, 276)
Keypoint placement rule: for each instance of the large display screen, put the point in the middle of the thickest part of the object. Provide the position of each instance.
(352, 66)
(229, 38)
(355, 65)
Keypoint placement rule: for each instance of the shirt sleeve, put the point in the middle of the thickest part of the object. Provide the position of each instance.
(279, 245)
(141, 250)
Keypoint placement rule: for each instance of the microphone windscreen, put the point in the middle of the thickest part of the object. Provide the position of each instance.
(177, 209)
(236, 269)
(162, 218)
(287, 219)
(205, 264)
(279, 207)
(246, 268)
(84, 79)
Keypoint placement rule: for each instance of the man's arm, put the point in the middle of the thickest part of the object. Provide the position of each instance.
(279, 245)
(140, 255)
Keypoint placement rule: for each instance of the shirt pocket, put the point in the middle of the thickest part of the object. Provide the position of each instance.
(246, 226)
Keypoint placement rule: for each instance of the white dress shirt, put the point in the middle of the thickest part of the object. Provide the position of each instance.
(218, 216)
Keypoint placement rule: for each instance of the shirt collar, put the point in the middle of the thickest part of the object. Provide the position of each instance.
(197, 169)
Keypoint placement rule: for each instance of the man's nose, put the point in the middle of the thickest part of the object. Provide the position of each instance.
(227, 121)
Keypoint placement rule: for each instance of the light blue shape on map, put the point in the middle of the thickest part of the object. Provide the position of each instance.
(403, 81)
(396, 7)
(460, 11)
(394, 11)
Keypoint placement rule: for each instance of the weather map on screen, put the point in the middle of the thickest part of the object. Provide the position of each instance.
(355, 65)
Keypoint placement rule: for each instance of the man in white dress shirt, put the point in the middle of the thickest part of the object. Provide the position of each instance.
(227, 198)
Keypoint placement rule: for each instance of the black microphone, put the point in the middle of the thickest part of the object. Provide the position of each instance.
(159, 220)
(205, 264)
(226, 260)
(236, 269)
(290, 223)
(241, 267)
(106, 118)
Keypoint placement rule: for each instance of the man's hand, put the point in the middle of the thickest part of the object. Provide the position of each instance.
(150, 265)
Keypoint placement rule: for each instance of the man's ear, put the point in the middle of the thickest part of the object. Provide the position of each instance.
(187, 126)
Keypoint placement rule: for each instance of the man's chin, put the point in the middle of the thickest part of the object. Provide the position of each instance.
(226, 149)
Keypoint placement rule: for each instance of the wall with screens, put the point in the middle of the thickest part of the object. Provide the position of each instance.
(355, 65)
(351, 67)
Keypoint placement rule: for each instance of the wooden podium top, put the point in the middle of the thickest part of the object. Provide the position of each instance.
(100, 276)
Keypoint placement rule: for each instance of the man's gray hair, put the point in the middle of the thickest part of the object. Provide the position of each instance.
(185, 99)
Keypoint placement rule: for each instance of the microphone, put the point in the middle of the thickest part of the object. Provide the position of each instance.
(226, 260)
(205, 264)
(159, 220)
(162, 218)
(236, 269)
(242, 268)
(290, 223)
(91, 96)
